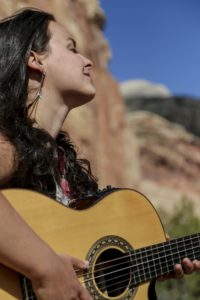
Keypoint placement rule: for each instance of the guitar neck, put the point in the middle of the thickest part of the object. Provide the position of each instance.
(157, 260)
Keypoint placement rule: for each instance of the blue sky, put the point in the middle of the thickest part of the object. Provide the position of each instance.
(157, 40)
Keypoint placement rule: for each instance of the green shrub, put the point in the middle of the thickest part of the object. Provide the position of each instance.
(181, 222)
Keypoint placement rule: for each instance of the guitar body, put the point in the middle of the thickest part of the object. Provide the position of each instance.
(87, 233)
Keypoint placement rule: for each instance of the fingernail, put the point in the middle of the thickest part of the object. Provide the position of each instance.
(86, 264)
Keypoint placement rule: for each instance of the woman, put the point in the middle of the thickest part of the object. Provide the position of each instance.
(42, 78)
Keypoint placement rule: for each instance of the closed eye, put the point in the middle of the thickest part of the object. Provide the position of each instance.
(72, 45)
(73, 50)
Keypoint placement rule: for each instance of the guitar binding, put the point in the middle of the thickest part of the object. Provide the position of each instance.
(89, 199)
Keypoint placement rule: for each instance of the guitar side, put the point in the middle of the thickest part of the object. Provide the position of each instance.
(124, 213)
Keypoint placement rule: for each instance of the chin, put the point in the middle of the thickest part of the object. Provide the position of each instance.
(88, 94)
(80, 97)
(86, 98)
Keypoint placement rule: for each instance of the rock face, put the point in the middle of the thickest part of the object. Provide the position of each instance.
(182, 110)
(167, 130)
(169, 159)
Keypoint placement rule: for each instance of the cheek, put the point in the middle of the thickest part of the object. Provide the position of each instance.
(65, 71)
(66, 66)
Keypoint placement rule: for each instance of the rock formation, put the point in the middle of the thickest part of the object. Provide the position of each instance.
(167, 130)
(143, 88)
(169, 159)
(182, 110)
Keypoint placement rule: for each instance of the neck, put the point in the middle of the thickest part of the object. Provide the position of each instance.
(49, 112)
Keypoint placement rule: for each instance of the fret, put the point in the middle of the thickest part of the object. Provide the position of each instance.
(145, 263)
(193, 252)
(176, 254)
(191, 244)
(169, 255)
(195, 249)
(158, 260)
(139, 273)
(152, 260)
(151, 263)
(182, 248)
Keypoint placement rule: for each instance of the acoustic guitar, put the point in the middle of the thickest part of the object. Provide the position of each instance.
(121, 236)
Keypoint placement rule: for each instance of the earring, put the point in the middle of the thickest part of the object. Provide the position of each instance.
(39, 92)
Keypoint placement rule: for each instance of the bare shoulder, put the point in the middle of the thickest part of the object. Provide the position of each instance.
(7, 159)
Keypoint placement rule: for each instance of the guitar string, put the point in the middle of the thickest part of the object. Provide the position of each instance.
(173, 243)
(146, 250)
(138, 278)
(130, 286)
(123, 288)
(147, 276)
(179, 252)
(108, 286)
(144, 274)
(134, 284)
(149, 261)
(134, 265)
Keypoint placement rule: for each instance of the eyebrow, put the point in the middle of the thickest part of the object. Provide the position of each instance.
(72, 40)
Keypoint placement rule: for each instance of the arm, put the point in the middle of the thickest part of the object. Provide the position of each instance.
(52, 275)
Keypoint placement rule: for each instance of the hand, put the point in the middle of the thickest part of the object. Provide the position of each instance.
(186, 267)
(59, 281)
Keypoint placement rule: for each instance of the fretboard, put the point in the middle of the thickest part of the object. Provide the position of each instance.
(156, 260)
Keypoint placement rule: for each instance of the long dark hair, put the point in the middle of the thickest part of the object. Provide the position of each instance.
(37, 165)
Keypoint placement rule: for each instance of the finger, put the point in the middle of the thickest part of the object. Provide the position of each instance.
(84, 295)
(187, 266)
(196, 265)
(79, 263)
(178, 271)
(167, 236)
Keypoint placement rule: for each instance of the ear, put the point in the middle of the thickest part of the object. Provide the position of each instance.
(35, 62)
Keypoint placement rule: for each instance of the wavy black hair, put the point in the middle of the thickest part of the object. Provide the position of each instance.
(37, 165)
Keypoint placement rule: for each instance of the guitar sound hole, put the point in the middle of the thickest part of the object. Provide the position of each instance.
(112, 272)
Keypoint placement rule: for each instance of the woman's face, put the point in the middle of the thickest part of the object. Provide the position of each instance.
(67, 71)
